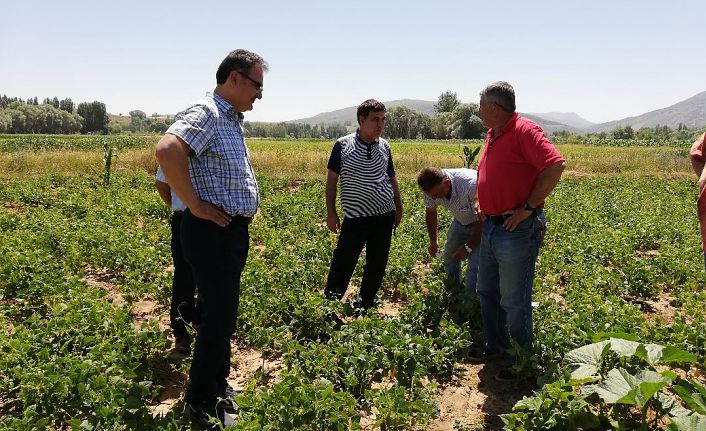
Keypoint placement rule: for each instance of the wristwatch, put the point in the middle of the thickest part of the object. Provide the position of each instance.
(529, 207)
(468, 249)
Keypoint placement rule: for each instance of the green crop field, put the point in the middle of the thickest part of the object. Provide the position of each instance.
(620, 332)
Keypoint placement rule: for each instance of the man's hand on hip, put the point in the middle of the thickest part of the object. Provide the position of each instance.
(518, 216)
(208, 211)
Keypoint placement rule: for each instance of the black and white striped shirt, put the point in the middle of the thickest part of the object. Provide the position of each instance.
(365, 171)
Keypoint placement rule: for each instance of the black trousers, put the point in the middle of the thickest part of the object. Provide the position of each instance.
(375, 233)
(217, 257)
(183, 306)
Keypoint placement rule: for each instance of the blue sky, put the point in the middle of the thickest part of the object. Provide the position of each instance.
(603, 59)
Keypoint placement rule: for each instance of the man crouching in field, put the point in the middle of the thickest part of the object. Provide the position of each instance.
(454, 189)
(371, 202)
(697, 162)
(205, 161)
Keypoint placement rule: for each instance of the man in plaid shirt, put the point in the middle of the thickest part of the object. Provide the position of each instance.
(207, 164)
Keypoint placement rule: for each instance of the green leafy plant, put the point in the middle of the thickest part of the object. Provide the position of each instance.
(469, 156)
(109, 153)
(612, 384)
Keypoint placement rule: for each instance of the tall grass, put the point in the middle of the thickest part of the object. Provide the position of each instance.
(307, 159)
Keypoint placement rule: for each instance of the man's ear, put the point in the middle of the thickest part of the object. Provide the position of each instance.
(234, 76)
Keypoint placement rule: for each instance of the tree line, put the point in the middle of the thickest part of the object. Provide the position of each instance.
(141, 123)
(452, 120)
(52, 116)
(294, 130)
(658, 134)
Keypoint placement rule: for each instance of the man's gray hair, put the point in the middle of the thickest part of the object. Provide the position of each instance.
(502, 93)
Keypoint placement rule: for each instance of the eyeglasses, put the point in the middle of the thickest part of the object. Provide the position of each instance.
(258, 85)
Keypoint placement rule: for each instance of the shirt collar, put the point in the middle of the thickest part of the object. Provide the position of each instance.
(227, 108)
(512, 120)
(357, 135)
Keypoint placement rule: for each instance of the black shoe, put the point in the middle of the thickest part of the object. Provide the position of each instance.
(182, 344)
(506, 375)
(228, 401)
(478, 355)
(209, 416)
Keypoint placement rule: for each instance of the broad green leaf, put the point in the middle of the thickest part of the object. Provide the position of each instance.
(615, 387)
(694, 400)
(655, 354)
(671, 375)
(647, 390)
(585, 360)
(529, 403)
(695, 422)
(623, 347)
(620, 387)
(672, 354)
(672, 406)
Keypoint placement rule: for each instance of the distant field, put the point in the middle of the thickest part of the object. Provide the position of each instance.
(31, 155)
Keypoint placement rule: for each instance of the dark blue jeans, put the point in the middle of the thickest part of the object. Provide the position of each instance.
(505, 278)
(183, 306)
(217, 257)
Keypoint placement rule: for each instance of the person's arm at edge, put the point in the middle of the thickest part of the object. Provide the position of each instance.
(332, 220)
(398, 200)
(164, 192)
(431, 217)
(697, 160)
(173, 154)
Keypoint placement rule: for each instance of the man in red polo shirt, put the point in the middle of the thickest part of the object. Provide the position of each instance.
(518, 169)
(697, 162)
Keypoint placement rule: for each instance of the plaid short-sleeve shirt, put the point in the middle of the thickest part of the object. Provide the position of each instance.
(219, 165)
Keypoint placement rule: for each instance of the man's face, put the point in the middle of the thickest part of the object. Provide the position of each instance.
(440, 190)
(373, 125)
(248, 88)
(485, 110)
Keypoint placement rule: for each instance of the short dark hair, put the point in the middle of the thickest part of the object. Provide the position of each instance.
(241, 60)
(370, 105)
(502, 93)
(430, 177)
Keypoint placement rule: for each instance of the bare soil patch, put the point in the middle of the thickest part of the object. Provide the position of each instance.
(474, 399)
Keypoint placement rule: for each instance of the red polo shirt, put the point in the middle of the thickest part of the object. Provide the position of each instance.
(510, 164)
(697, 153)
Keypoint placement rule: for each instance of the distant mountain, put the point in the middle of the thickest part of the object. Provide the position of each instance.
(569, 118)
(347, 115)
(690, 112)
(550, 126)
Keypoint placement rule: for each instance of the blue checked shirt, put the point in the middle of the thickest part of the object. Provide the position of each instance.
(219, 166)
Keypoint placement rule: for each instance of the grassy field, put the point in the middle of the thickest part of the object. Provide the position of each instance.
(307, 159)
(84, 291)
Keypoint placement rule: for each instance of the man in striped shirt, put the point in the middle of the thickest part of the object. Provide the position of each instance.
(371, 203)
(205, 161)
(454, 189)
